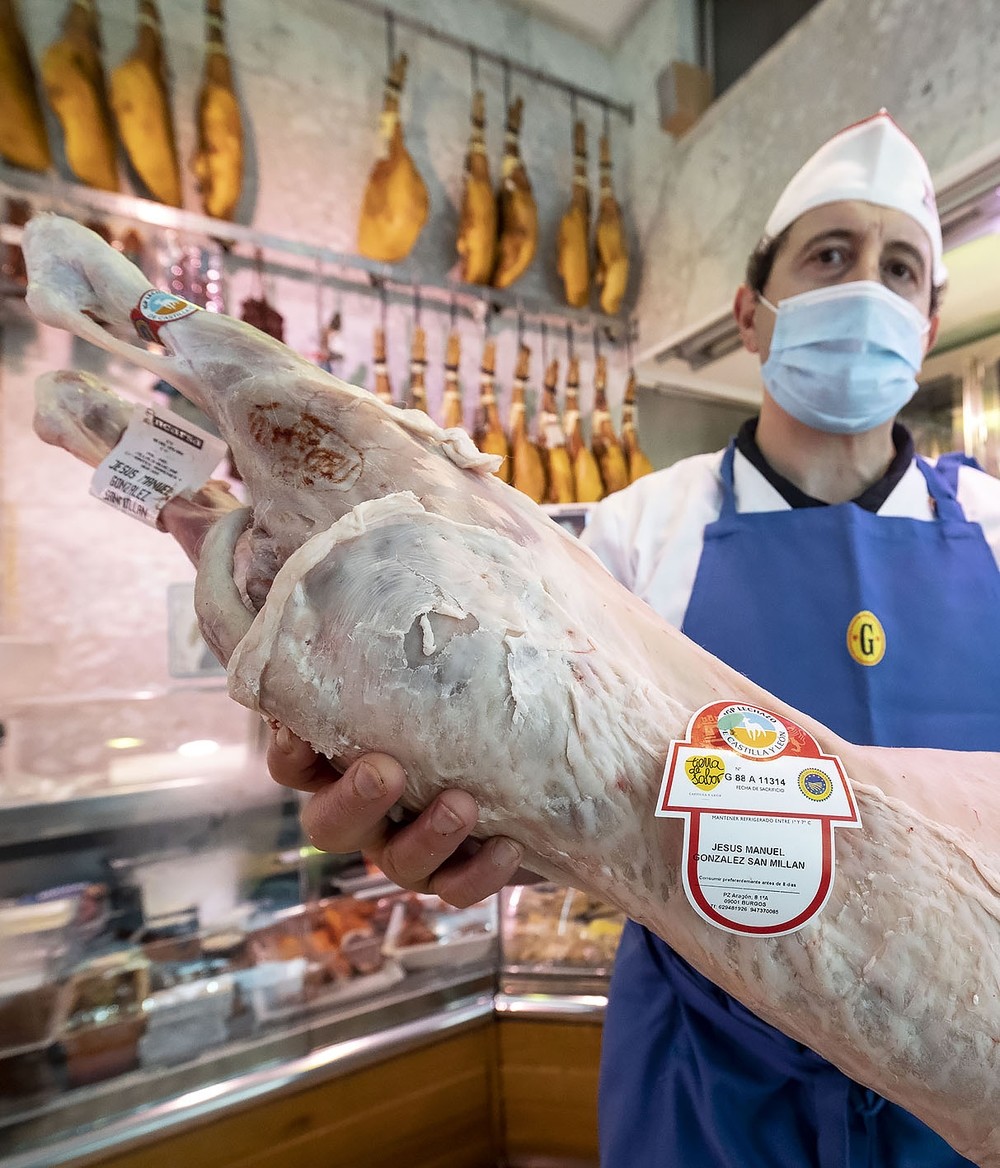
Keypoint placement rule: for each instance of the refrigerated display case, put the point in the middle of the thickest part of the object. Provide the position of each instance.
(174, 950)
(200, 953)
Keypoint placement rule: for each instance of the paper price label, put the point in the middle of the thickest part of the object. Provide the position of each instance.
(760, 803)
(156, 458)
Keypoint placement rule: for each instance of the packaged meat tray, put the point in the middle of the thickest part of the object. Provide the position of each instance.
(424, 932)
(550, 927)
(101, 1035)
(314, 956)
(185, 1020)
(30, 1021)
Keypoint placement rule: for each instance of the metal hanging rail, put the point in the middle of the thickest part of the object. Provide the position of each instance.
(400, 20)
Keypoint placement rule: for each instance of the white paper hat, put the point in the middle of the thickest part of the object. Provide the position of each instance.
(872, 161)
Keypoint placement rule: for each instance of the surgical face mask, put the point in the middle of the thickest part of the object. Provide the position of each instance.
(844, 359)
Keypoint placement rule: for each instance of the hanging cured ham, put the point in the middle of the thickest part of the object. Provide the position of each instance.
(23, 140)
(573, 255)
(638, 463)
(418, 368)
(329, 355)
(477, 224)
(17, 212)
(395, 204)
(257, 310)
(552, 441)
(604, 441)
(140, 101)
(451, 402)
(587, 485)
(528, 472)
(383, 383)
(610, 244)
(218, 160)
(517, 210)
(489, 434)
(499, 655)
(73, 76)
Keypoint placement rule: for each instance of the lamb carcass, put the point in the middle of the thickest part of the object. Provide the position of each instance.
(397, 595)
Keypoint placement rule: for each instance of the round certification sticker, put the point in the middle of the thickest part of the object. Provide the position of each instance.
(155, 309)
(815, 785)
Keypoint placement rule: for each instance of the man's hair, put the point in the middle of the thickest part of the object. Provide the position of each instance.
(762, 259)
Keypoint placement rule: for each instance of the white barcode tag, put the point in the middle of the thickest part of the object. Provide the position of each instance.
(156, 458)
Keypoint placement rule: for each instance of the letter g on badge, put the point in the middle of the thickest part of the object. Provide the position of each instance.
(705, 770)
(866, 638)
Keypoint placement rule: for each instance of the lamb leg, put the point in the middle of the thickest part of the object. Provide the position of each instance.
(75, 411)
(409, 601)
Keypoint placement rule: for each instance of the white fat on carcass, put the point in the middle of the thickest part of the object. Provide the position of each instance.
(435, 640)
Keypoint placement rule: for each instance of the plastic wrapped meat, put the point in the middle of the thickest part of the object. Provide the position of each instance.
(397, 595)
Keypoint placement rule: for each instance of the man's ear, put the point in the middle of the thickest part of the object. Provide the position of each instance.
(932, 332)
(745, 312)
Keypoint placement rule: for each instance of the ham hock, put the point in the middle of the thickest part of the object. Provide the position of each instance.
(386, 591)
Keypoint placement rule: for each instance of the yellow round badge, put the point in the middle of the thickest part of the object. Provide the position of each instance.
(705, 770)
(866, 638)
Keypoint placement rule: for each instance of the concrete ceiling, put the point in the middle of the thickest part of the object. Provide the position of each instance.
(603, 22)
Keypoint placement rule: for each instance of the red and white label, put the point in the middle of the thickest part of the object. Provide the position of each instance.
(155, 309)
(760, 802)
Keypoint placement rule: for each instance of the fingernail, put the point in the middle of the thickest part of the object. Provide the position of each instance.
(368, 782)
(283, 739)
(504, 853)
(444, 820)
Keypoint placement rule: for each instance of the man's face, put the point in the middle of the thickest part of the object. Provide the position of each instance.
(839, 244)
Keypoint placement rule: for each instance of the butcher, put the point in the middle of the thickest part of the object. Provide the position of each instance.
(821, 556)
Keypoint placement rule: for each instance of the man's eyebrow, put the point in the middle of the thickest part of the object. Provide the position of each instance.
(845, 235)
(911, 250)
(829, 235)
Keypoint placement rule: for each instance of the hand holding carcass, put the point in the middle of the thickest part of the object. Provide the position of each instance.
(433, 852)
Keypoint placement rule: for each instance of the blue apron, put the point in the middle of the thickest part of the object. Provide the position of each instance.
(689, 1076)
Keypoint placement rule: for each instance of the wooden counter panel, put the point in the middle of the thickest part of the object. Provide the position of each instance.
(429, 1108)
(548, 1088)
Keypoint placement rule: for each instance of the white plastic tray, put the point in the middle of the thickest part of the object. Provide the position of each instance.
(452, 947)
